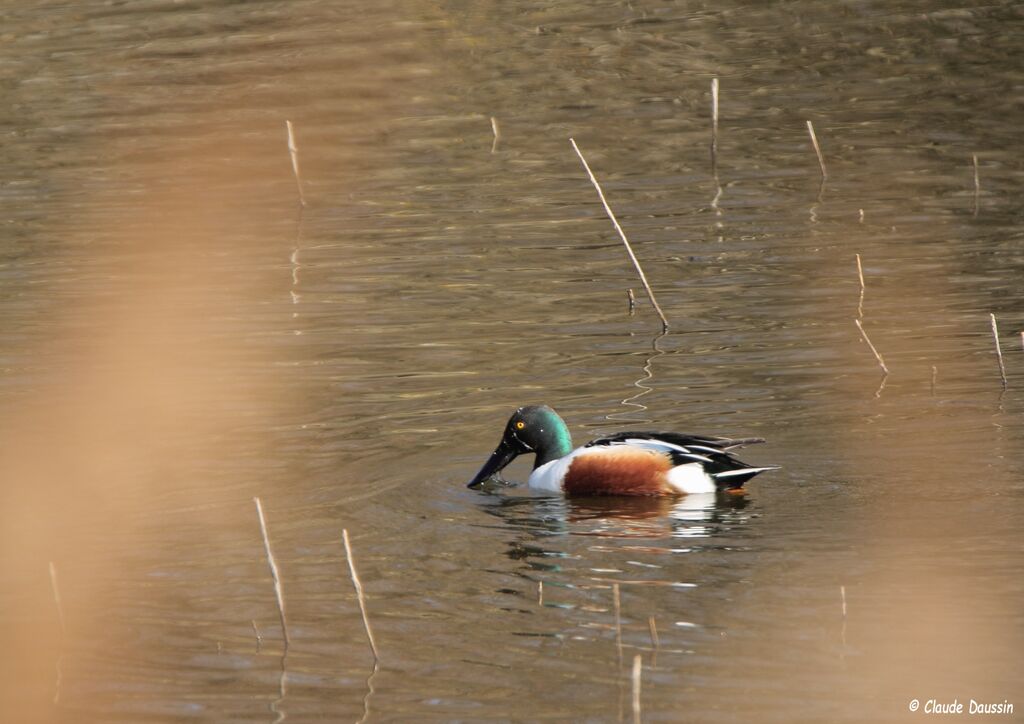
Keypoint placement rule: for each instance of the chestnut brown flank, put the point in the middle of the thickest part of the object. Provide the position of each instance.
(625, 472)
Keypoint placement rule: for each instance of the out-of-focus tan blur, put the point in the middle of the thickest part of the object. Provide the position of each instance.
(136, 390)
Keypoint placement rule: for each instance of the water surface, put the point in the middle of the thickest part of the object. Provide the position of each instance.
(180, 336)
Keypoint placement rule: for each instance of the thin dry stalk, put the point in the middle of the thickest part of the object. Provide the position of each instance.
(714, 126)
(638, 661)
(653, 628)
(618, 620)
(293, 151)
(622, 235)
(632, 300)
(497, 134)
(359, 594)
(56, 594)
(881, 362)
(999, 350)
(817, 150)
(977, 183)
(279, 592)
(842, 595)
(540, 593)
(860, 274)
(935, 377)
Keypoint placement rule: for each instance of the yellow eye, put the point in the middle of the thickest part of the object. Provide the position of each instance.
(520, 425)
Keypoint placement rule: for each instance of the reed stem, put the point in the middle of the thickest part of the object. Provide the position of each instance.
(272, 563)
(637, 670)
(259, 637)
(881, 362)
(714, 127)
(817, 150)
(999, 350)
(359, 594)
(497, 134)
(622, 235)
(56, 594)
(860, 274)
(977, 184)
(652, 626)
(618, 620)
(293, 151)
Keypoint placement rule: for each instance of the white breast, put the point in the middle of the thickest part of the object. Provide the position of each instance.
(550, 476)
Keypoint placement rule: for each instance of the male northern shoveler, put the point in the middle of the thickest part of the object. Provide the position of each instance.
(629, 463)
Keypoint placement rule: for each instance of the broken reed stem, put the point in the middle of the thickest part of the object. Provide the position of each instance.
(860, 273)
(637, 669)
(842, 594)
(935, 376)
(632, 300)
(540, 593)
(977, 183)
(622, 235)
(359, 594)
(293, 151)
(714, 126)
(817, 150)
(56, 595)
(497, 134)
(279, 592)
(881, 362)
(999, 350)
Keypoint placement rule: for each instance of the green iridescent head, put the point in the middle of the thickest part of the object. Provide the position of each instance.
(534, 428)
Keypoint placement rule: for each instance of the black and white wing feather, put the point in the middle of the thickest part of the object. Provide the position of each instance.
(712, 453)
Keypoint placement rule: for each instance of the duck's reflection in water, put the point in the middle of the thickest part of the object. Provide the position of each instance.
(690, 516)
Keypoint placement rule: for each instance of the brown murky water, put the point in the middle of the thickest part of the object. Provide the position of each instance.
(177, 337)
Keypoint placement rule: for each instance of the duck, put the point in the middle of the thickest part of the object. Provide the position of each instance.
(626, 463)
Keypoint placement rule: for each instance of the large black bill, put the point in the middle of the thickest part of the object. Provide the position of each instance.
(502, 456)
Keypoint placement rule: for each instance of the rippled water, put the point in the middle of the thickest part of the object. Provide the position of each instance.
(180, 336)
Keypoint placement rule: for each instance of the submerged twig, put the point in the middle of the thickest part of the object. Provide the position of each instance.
(632, 301)
(272, 563)
(653, 628)
(817, 150)
(622, 235)
(999, 350)
(293, 151)
(359, 594)
(881, 362)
